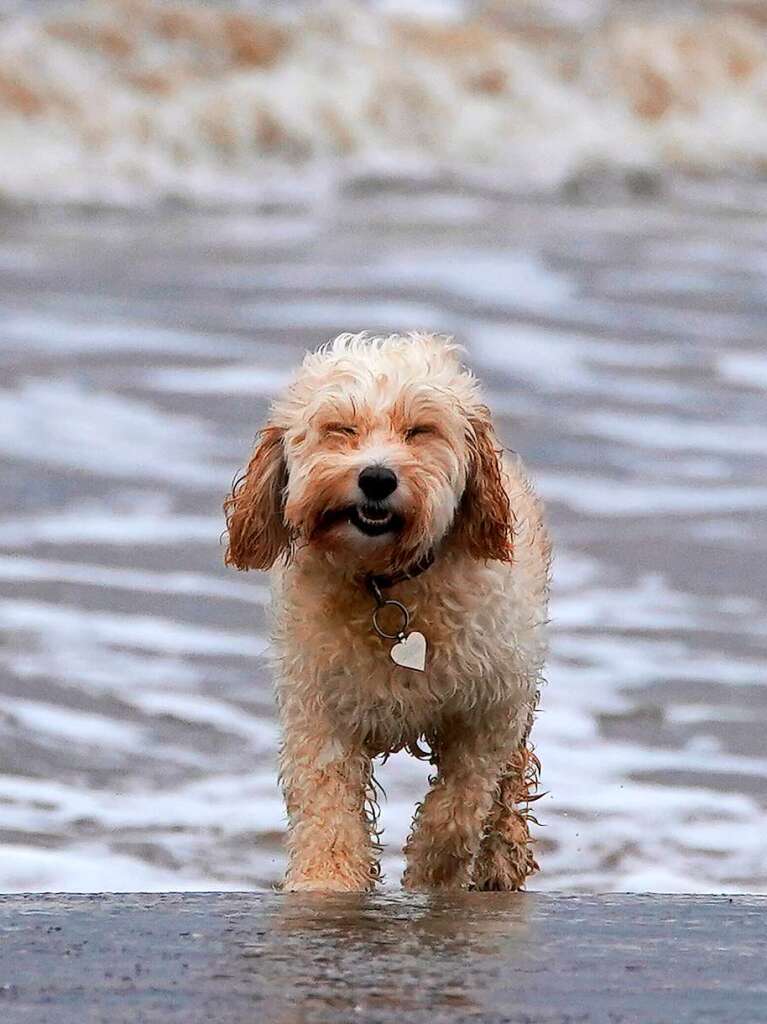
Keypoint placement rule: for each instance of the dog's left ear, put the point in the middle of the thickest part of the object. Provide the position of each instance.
(484, 522)
(258, 534)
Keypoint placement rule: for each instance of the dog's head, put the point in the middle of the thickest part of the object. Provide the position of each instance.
(380, 450)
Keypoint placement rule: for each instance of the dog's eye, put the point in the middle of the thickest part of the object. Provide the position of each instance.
(417, 431)
(340, 428)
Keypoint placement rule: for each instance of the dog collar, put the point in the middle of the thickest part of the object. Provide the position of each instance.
(383, 581)
(410, 649)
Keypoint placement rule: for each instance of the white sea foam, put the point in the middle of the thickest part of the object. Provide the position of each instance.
(561, 362)
(693, 714)
(222, 800)
(120, 529)
(22, 331)
(651, 604)
(598, 805)
(747, 368)
(86, 867)
(86, 662)
(208, 711)
(59, 423)
(64, 724)
(240, 379)
(120, 102)
(600, 664)
(676, 433)
(501, 281)
(335, 315)
(20, 570)
(140, 632)
(602, 496)
(732, 532)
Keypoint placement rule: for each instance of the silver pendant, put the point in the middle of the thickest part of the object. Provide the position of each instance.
(410, 652)
(410, 649)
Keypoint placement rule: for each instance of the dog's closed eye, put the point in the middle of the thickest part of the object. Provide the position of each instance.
(419, 430)
(339, 430)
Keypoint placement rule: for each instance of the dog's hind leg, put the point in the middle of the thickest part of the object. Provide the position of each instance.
(505, 859)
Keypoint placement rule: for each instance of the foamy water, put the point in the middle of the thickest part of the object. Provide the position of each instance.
(137, 357)
(130, 101)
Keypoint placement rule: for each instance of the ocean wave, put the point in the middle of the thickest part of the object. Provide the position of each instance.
(122, 101)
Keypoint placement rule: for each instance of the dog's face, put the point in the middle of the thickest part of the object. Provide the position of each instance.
(376, 468)
(378, 452)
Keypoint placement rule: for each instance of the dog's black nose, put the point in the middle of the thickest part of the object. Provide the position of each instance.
(377, 482)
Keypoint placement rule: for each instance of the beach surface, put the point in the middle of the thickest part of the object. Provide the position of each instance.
(239, 957)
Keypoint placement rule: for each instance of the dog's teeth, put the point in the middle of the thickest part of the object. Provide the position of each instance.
(374, 522)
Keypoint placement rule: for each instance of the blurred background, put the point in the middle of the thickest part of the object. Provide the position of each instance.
(191, 195)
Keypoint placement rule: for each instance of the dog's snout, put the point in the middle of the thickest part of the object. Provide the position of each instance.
(377, 482)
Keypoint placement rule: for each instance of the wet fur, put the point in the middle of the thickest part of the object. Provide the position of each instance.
(482, 605)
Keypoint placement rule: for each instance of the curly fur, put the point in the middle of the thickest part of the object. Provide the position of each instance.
(407, 403)
(254, 520)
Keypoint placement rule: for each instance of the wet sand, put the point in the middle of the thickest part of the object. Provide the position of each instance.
(231, 957)
(621, 339)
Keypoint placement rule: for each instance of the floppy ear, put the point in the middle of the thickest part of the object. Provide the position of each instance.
(484, 523)
(258, 534)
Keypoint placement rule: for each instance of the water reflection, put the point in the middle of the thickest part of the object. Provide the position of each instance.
(364, 954)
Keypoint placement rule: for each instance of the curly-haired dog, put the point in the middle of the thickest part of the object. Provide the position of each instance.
(379, 480)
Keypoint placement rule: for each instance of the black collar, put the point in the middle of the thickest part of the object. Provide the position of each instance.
(376, 582)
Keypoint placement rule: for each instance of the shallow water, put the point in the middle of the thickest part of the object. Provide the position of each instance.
(622, 345)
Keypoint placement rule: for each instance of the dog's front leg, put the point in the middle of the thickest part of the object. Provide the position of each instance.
(326, 783)
(447, 828)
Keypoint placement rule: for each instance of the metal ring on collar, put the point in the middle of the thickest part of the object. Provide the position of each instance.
(405, 623)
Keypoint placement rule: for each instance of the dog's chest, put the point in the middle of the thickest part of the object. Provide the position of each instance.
(334, 647)
(395, 702)
(385, 704)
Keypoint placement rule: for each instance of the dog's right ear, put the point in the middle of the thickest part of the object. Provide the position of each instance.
(257, 531)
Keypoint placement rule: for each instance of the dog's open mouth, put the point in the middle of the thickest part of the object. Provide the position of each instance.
(370, 518)
(373, 520)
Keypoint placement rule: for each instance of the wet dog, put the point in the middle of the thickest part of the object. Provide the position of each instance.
(410, 570)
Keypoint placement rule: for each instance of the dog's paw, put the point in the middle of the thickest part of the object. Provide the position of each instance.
(503, 866)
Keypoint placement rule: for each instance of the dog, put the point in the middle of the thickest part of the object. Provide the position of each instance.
(410, 571)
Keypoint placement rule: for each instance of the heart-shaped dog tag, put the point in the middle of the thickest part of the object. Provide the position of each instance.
(410, 652)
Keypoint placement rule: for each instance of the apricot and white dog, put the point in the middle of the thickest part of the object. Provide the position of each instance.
(379, 479)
